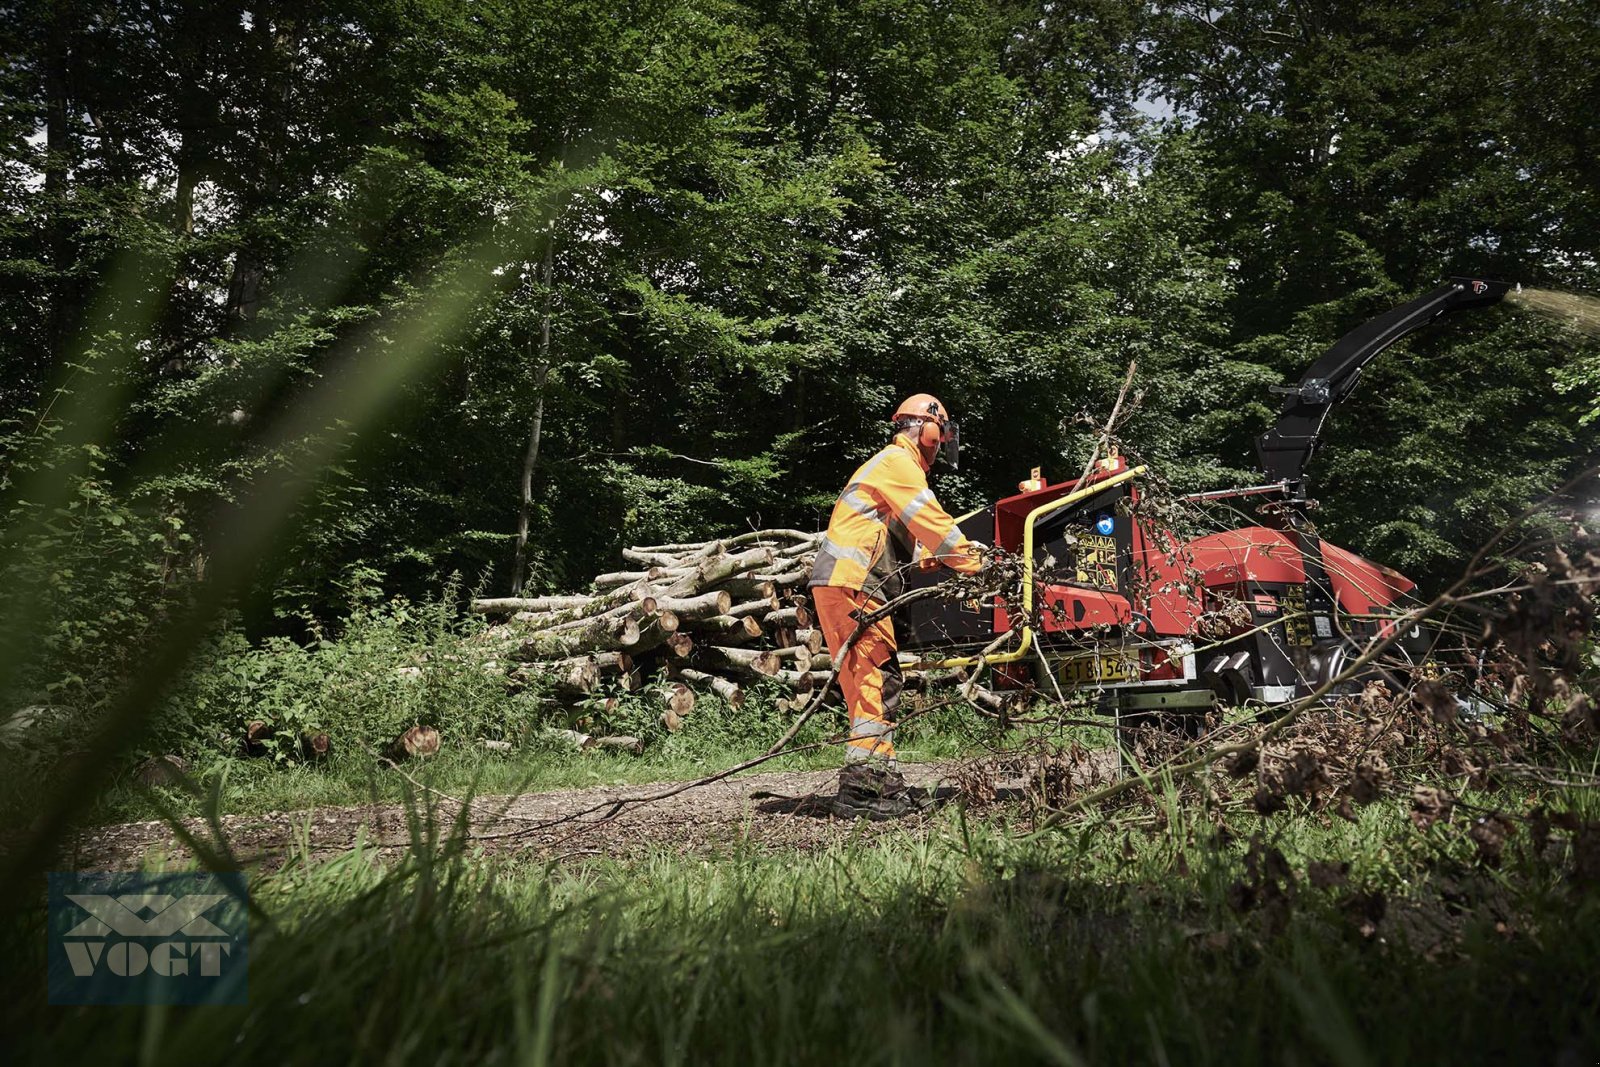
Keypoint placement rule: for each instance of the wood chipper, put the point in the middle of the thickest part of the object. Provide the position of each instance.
(1116, 603)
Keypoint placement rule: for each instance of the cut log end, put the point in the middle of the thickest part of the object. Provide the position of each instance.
(681, 699)
(418, 742)
(315, 746)
(162, 770)
(707, 611)
(256, 736)
(731, 692)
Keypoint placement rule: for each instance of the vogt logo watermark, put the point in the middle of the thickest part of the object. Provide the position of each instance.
(125, 938)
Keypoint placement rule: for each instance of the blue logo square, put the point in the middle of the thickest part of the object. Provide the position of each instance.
(129, 938)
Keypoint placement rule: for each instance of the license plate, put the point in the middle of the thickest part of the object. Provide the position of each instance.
(1089, 670)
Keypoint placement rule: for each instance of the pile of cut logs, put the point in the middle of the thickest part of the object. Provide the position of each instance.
(689, 620)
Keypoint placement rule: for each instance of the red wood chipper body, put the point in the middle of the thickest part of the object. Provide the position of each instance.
(1151, 621)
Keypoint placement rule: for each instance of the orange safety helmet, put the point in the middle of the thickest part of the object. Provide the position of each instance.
(938, 433)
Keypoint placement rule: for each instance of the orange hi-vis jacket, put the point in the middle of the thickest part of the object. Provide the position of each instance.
(885, 511)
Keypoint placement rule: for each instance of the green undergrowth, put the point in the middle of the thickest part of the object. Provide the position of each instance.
(387, 666)
(714, 736)
(391, 664)
(1138, 940)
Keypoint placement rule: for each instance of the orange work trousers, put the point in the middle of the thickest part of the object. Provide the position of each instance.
(869, 674)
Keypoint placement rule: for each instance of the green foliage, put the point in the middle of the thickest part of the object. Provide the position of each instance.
(706, 245)
(1353, 154)
(85, 570)
(391, 666)
(762, 227)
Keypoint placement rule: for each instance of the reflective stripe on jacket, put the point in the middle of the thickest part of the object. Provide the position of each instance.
(884, 512)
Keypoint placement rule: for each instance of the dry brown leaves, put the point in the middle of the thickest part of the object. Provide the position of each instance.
(1490, 834)
(1051, 774)
(1339, 758)
(1430, 805)
(1326, 874)
(1268, 883)
(1539, 641)
(974, 782)
(1219, 623)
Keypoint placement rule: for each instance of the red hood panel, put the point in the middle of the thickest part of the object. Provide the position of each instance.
(1262, 554)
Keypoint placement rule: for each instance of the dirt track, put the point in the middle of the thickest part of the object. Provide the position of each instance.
(785, 810)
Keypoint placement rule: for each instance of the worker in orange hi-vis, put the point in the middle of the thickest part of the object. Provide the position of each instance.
(884, 513)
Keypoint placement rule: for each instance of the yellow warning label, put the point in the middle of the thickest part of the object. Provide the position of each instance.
(1295, 630)
(1097, 561)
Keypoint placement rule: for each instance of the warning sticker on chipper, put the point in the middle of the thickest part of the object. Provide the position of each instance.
(1105, 524)
(1097, 561)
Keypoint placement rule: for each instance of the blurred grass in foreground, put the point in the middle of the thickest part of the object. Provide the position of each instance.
(1122, 944)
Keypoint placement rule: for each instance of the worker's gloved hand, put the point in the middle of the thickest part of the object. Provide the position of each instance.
(928, 563)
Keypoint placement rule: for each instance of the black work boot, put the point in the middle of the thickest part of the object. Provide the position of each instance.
(868, 792)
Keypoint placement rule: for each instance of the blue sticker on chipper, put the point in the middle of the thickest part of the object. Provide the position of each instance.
(1104, 524)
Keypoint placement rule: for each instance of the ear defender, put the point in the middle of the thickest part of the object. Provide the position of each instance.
(932, 434)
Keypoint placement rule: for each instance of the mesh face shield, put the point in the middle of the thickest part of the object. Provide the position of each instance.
(950, 447)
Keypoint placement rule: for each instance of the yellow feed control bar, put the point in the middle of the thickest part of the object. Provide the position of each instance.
(1027, 576)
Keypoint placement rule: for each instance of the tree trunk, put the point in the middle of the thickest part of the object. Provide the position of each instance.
(244, 288)
(57, 155)
(493, 606)
(728, 627)
(603, 634)
(531, 458)
(745, 663)
(694, 608)
(183, 206)
(678, 701)
(797, 617)
(250, 264)
(730, 691)
(190, 121)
